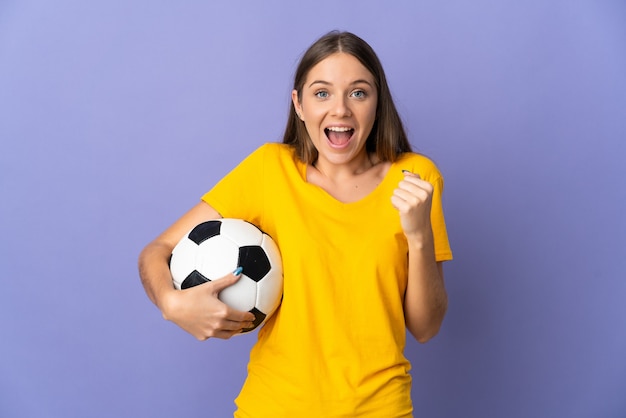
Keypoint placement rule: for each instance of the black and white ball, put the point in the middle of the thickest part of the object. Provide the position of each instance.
(215, 248)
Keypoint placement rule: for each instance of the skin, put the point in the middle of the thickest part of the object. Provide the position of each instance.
(425, 300)
(339, 93)
(197, 310)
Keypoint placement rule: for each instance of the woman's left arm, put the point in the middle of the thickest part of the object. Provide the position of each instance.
(425, 299)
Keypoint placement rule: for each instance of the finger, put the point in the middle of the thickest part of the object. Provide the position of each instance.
(398, 203)
(416, 180)
(416, 186)
(239, 317)
(226, 334)
(411, 194)
(230, 279)
(408, 173)
(226, 328)
(223, 335)
(236, 325)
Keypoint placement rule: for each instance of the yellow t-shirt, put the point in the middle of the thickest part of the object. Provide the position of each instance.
(335, 346)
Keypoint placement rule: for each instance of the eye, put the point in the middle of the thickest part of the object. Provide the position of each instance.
(359, 94)
(322, 94)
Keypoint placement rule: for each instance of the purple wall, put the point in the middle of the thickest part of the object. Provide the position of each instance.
(116, 116)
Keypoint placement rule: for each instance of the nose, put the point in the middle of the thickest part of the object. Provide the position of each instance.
(341, 107)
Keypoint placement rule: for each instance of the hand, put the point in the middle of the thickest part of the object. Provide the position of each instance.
(412, 198)
(198, 311)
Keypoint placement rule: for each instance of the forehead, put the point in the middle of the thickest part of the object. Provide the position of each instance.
(339, 68)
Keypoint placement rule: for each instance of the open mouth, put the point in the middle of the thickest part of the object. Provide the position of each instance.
(339, 135)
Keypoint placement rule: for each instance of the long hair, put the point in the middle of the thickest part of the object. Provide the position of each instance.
(388, 138)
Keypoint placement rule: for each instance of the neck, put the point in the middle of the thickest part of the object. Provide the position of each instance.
(337, 171)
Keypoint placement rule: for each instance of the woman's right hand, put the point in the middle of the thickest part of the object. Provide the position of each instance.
(198, 310)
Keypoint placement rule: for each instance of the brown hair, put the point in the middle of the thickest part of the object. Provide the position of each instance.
(388, 138)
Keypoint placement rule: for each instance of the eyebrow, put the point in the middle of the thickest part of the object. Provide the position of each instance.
(355, 82)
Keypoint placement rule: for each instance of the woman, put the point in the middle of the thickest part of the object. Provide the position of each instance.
(358, 219)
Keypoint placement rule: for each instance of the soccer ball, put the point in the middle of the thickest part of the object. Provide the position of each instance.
(215, 248)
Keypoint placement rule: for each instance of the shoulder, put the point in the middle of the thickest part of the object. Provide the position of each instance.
(274, 158)
(269, 151)
(275, 150)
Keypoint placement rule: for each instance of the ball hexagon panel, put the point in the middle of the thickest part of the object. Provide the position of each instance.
(273, 254)
(183, 260)
(217, 257)
(241, 232)
(242, 295)
(269, 292)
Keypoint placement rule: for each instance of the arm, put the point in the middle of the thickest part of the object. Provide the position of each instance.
(425, 299)
(197, 310)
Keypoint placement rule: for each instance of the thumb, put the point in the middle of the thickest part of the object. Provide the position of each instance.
(228, 280)
(410, 173)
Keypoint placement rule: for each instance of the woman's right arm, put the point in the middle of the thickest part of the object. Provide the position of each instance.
(197, 310)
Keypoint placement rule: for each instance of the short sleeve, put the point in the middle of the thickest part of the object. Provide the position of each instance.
(240, 193)
(443, 252)
(429, 171)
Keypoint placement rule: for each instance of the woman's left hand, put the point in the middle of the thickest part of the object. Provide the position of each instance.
(412, 198)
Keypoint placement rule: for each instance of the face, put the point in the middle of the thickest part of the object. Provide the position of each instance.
(338, 107)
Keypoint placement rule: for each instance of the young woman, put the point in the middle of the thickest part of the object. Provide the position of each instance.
(359, 222)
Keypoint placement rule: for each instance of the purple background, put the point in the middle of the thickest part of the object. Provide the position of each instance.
(115, 116)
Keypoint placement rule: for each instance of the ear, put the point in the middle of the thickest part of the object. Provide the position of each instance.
(296, 103)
